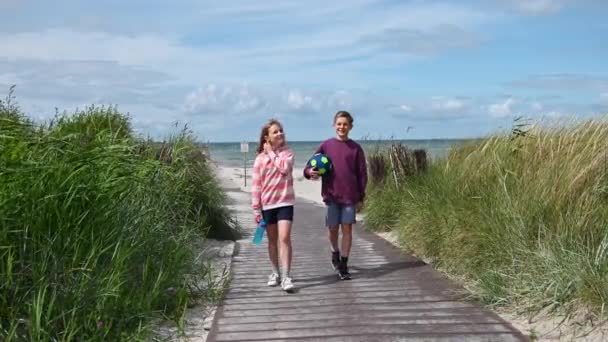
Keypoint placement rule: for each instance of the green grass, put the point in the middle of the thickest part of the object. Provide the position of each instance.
(98, 226)
(521, 217)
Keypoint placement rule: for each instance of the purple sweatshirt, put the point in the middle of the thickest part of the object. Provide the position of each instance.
(347, 181)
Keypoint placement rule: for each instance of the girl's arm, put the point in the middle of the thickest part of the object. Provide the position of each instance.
(256, 188)
(282, 160)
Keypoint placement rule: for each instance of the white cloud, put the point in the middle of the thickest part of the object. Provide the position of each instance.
(563, 81)
(418, 42)
(538, 7)
(297, 100)
(502, 109)
(237, 61)
(8, 3)
(405, 108)
(214, 99)
(67, 83)
(340, 99)
(448, 104)
(69, 45)
(315, 34)
(433, 108)
(537, 106)
(9, 78)
(601, 105)
(256, 101)
(555, 114)
(257, 46)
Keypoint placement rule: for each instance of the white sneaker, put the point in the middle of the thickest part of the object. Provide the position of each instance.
(286, 284)
(273, 279)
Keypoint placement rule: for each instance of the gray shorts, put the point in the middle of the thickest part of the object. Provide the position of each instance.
(340, 214)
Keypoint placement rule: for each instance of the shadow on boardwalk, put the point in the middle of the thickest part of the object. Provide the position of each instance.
(362, 273)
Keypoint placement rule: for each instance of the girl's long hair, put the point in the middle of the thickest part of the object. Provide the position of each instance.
(264, 133)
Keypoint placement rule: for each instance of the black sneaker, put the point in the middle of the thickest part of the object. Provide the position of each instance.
(343, 272)
(335, 259)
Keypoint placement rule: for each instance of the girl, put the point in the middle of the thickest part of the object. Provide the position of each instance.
(273, 198)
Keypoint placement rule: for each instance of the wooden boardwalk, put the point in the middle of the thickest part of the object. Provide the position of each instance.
(392, 296)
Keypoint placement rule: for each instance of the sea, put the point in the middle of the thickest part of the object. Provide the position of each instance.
(229, 153)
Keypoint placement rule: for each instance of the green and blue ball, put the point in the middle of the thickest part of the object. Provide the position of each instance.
(321, 163)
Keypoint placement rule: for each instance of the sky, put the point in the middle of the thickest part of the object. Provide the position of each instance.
(404, 69)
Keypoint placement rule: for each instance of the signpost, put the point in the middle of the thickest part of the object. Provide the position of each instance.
(245, 150)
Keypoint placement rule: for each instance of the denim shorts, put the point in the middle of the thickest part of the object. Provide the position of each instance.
(340, 214)
(272, 216)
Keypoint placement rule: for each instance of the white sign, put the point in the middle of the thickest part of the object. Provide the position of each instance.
(244, 147)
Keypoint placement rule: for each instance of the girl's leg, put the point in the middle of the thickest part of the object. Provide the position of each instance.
(271, 232)
(285, 247)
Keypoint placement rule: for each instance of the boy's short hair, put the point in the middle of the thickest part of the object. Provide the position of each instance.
(344, 114)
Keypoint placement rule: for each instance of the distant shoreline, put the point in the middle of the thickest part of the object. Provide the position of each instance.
(229, 153)
(358, 140)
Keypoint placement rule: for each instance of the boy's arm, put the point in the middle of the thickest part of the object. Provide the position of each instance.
(282, 160)
(256, 189)
(307, 167)
(361, 172)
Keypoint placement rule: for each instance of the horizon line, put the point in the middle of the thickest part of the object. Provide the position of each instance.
(358, 140)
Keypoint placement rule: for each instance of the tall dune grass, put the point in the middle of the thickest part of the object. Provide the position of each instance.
(522, 216)
(95, 230)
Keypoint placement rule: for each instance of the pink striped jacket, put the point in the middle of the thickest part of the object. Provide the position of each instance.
(272, 180)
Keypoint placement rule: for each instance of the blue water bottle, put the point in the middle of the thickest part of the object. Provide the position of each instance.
(259, 232)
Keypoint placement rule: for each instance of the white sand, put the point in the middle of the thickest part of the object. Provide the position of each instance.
(305, 189)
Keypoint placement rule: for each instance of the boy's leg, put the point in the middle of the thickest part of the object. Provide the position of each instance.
(332, 221)
(347, 239)
(333, 233)
(348, 216)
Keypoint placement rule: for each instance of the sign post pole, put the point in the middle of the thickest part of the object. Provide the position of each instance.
(244, 150)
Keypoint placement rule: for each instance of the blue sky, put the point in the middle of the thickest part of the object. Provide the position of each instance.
(447, 69)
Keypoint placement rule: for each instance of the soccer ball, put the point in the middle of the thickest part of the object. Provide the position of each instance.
(321, 163)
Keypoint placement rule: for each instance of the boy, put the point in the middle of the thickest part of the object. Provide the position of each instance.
(343, 189)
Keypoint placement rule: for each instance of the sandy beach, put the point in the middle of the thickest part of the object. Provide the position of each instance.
(305, 189)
